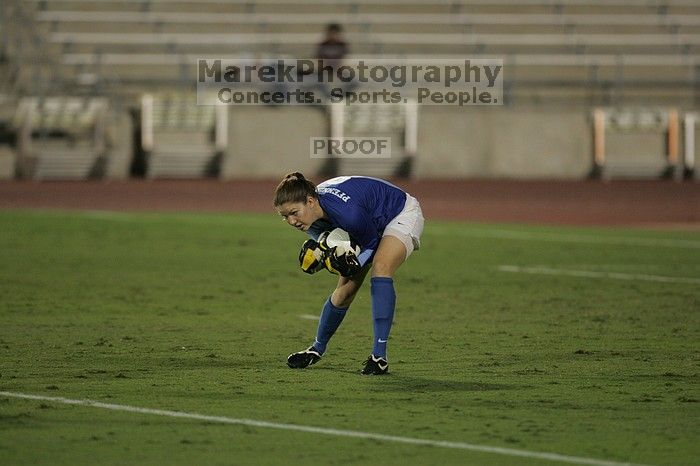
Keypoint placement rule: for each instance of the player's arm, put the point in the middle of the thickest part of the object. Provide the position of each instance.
(345, 265)
(366, 255)
(316, 255)
(318, 227)
(361, 229)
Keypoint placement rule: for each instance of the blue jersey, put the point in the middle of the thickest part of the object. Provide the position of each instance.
(360, 205)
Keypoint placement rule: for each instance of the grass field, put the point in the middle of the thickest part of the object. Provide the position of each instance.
(580, 342)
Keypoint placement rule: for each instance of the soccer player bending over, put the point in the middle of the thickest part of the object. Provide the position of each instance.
(383, 220)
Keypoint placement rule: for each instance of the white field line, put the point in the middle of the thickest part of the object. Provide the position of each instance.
(324, 431)
(590, 274)
(570, 238)
(308, 317)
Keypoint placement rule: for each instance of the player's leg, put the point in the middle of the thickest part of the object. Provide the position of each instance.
(335, 308)
(332, 315)
(389, 257)
(401, 238)
(391, 253)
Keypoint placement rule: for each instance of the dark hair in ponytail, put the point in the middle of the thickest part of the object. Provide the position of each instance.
(294, 188)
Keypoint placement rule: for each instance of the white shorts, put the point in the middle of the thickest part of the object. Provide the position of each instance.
(408, 225)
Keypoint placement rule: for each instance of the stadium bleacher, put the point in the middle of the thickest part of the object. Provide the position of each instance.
(61, 137)
(397, 122)
(180, 138)
(572, 43)
(561, 52)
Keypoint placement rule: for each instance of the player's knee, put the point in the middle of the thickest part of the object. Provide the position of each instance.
(343, 296)
(342, 300)
(382, 269)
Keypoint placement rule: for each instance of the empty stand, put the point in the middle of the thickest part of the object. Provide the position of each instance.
(180, 138)
(61, 137)
(397, 122)
(637, 162)
(557, 54)
(647, 44)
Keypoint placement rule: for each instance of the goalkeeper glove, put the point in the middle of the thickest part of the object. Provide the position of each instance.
(346, 265)
(311, 257)
(323, 243)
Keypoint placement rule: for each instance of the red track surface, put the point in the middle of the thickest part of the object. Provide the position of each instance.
(663, 204)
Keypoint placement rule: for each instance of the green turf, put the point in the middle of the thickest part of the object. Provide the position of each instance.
(197, 313)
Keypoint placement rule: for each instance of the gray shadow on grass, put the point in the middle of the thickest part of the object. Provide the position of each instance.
(400, 382)
(404, 383)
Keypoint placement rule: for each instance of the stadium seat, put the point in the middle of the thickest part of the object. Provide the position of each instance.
(61, 137)
(567, 44)
(180, 138)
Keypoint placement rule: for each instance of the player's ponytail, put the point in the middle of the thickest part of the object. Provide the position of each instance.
(294, 187)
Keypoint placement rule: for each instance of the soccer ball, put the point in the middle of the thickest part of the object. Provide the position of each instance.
(341, 241)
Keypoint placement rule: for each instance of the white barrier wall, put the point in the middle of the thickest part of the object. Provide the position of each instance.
(7, 162)
(452, 142)
(271, 141)
(120, 148)
(503, 142)
(486, 142)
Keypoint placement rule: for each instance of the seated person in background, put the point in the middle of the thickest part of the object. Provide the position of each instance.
(329, 53)
(333, 48)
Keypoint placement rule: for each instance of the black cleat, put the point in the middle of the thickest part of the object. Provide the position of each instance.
(375, 366)
(304, 358)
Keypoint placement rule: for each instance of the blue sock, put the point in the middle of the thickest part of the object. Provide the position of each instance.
(330, 320)
(383, 304)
